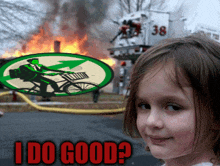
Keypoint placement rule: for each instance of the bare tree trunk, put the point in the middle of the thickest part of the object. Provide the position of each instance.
(129, 6)
(141, 4)
(124, 6)
(150, 4)
(138, 5)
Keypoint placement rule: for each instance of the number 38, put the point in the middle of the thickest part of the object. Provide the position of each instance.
(162, 31)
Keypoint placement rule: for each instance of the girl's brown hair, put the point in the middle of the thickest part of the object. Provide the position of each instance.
(198, 57)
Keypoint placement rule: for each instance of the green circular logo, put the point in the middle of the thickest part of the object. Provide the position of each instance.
(55, 74)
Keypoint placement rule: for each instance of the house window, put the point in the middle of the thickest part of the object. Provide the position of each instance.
(216, 37)
(208, 34)
(202, 32)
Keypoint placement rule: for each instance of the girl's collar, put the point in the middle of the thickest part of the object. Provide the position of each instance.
(200, 164)
(204, 164)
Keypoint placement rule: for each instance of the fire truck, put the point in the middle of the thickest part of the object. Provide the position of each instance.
(137, 32)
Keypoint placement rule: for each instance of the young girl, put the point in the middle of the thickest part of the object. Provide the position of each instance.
(174, 101)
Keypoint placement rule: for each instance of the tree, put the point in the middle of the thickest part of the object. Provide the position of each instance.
(16, 19)
(129, 6)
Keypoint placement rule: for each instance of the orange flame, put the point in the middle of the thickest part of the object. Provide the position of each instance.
(43, 42)
(111, 62)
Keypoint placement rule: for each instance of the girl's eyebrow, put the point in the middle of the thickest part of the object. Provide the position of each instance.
(167, 98)
(138, 99)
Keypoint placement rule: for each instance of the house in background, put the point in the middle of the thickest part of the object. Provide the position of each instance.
(211, 32)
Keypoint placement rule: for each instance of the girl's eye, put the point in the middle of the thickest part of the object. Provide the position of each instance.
(169, 107)
(143, 106)
(173, 107)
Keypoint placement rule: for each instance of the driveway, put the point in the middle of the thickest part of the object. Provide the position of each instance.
(58, 127)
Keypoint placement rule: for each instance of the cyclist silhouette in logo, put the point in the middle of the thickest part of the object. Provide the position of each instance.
(34, 72)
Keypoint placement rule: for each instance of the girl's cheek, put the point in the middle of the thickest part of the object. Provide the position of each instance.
(140, 123)
(139, 129)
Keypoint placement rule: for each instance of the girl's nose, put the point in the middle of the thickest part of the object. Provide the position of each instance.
(154, 118)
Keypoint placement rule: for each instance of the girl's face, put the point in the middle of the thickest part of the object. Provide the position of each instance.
(165, 115)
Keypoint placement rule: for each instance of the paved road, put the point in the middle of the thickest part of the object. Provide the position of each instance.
(57, 127)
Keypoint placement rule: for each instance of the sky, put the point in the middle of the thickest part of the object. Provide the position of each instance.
(205, 12)
(195, 11)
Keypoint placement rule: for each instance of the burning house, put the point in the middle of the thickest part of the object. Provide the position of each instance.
(66, 32)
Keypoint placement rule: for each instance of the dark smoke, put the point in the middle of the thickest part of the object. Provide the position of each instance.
(76, 19)
(82, 14)
(86, 12)
(54, 9)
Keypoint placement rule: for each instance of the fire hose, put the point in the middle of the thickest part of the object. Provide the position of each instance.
(66, 110)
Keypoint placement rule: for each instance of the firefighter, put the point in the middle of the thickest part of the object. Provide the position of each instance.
(95, 95)
(122, 30)
(135, 28)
